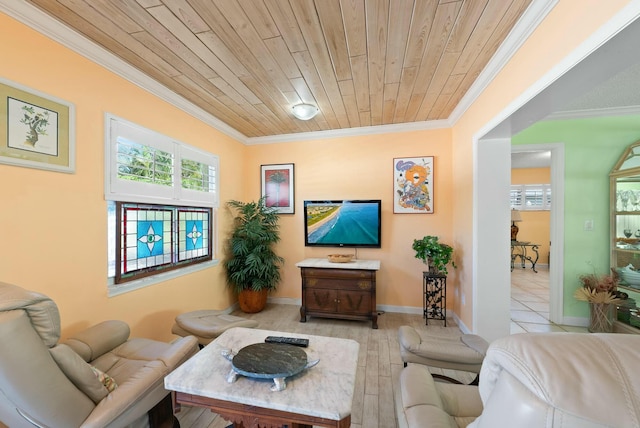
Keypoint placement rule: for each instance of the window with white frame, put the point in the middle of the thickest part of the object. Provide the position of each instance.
(161, 196)
(532, 197)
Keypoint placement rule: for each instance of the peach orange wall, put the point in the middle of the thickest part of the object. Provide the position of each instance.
(564, 29)
(53, 225)
(361, 168)
(536, 225)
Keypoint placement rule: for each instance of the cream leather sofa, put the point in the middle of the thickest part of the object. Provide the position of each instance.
(49, 384)
(568, 380)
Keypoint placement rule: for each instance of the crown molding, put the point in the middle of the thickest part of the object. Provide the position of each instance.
(36, 19)
(594, 113)
(528, 22)
(350, 132)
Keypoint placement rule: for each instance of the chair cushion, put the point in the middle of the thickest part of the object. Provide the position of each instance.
(42, 311)
(79, 372)
(105, 379)
(441, 404)
(32, 381)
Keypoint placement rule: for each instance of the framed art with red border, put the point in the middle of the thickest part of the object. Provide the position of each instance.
(277, 187)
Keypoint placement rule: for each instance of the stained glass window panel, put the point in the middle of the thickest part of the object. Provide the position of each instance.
(148, 238)
(193, 236)
(155, 238)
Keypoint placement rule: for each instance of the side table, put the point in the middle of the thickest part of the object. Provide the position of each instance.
(434, 290)
(519, 250)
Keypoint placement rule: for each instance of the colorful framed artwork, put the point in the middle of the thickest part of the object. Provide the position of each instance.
(36, 130)
(277, 187)
(413, 185)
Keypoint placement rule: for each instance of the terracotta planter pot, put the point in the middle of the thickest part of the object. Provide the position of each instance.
(251, 301)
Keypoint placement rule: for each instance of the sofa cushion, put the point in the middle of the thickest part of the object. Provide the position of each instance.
(526, 378)
(79, 372)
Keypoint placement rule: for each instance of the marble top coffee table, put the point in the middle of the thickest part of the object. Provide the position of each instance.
(320, 395)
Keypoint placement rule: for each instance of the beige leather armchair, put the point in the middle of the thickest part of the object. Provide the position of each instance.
(50, 384)
(568, 380)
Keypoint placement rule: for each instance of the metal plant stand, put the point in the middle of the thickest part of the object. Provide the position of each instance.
(434, 289)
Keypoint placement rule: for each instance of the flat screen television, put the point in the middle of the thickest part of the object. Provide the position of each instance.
(342, 223)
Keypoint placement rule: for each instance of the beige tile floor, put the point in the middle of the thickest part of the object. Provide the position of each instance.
(530, 302)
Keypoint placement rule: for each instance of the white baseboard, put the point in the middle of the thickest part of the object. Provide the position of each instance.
(285, 300)
(381, 308)
(461, 325)
(576, 321)
(399, 309)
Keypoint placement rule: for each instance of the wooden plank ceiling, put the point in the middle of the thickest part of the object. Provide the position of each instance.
(247, 62)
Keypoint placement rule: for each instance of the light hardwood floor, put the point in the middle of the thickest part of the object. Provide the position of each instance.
(378, 362)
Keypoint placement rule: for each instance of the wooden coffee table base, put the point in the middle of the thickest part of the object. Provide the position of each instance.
(246, 416)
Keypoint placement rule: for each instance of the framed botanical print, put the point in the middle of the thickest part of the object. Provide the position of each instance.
(36, 130)
(277, 187)
(413, 185)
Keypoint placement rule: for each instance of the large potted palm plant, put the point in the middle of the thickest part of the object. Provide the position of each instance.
(252, 266)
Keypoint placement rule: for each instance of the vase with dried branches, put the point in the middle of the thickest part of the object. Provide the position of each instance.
(602, 294)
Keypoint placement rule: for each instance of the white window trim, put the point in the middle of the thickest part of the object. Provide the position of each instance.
(117, 189)
(125, 287)
(135, 192)
(544, 188)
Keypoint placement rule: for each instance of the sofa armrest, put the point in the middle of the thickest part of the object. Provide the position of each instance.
(99, 339)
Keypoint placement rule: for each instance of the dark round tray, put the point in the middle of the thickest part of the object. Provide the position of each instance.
(269, 360)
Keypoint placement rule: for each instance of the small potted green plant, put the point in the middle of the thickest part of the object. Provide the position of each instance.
(434, 254)
(252, 266)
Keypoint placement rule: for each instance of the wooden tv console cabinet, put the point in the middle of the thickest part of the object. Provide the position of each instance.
(339, 290)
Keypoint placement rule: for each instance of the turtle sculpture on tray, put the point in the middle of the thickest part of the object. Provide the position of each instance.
(268, 361)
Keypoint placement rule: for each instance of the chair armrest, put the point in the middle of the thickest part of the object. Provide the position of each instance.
(180, 351)
(99, 339)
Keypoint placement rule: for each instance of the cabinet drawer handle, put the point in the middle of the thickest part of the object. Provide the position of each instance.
(311, 282)
(364, 285)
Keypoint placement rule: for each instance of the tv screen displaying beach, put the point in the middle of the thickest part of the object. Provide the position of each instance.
(343, 223)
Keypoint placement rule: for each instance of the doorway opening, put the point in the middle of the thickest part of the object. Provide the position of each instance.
(551, 156)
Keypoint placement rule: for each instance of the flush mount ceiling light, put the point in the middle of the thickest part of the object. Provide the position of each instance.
(305, 111)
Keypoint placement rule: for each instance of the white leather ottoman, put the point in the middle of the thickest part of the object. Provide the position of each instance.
(464, 353)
